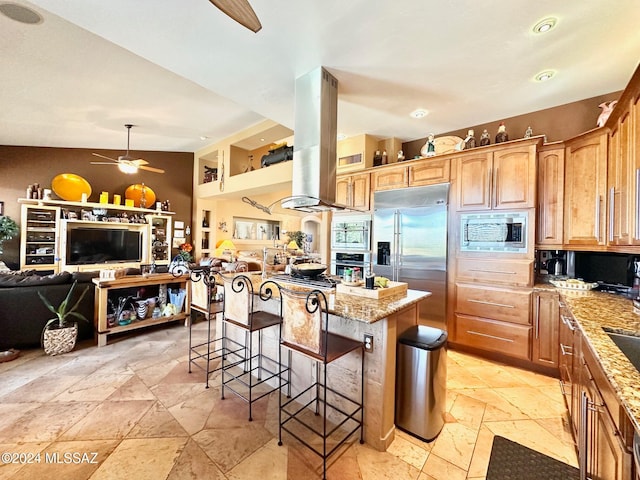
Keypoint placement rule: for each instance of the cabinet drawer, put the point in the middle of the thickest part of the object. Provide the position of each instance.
(506, 338)
(503, 304)
(518, 273)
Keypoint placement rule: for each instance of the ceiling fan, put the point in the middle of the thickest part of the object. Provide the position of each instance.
(240, 11)
(126, 163)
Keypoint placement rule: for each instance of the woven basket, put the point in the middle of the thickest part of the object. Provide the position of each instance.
(59, 340)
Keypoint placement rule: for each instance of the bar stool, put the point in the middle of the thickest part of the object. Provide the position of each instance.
(203, 285)
(239, 362)
(305, 329)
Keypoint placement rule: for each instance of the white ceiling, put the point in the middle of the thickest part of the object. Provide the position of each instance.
(181, 69)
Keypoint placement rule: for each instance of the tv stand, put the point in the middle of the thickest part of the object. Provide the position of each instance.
(45, 223)
(104, 287)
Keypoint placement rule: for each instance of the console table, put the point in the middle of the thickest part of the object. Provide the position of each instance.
(104, 287)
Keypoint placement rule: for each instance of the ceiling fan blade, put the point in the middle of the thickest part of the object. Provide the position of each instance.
(104, 163)
(151, 169)
(139, 162)
(241, 12)
(107, 158)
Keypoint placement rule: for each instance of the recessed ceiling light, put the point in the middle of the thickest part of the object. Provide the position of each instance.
(203, 137)
(20, 13)
(544, 76)
(419, 113)
(545, 25)
(341, 136)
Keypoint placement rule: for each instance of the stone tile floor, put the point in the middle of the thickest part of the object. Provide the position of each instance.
(131, 410)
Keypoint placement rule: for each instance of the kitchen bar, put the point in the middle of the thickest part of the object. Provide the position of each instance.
(353, 316)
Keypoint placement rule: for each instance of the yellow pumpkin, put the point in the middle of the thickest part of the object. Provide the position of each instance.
(134, 192)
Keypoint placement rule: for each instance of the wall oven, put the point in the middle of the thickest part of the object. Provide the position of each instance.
(494, 232)
(351, 232)
(342, 260)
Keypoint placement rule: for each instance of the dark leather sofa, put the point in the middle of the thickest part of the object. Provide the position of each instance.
(23, 315)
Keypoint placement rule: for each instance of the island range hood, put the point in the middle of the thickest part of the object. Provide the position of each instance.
(314, 153)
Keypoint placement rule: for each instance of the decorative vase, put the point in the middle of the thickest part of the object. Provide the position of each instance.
(141, 309)
(56, 341)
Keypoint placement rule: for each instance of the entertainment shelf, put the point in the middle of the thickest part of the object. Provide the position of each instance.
(47, 225)
(105, 289)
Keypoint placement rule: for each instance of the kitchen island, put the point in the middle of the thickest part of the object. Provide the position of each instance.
(353, 317)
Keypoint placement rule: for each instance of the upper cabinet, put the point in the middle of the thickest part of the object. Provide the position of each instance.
(624, 174)
(429, 172)
(390, 177)
(550, 208)
(353, 190)
(585, 187)
(498, 179)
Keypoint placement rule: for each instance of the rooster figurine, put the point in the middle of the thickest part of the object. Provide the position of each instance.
(607, 108)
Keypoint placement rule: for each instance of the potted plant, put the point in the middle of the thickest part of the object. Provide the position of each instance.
(59, 334)
(8, 230)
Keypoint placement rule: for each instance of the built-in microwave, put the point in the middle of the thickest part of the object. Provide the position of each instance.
(494, 232)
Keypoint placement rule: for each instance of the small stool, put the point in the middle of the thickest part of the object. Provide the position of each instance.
(239, 312)
(305, 329)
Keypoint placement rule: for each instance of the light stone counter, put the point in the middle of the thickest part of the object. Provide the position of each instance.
(354, 317)
(595, 310)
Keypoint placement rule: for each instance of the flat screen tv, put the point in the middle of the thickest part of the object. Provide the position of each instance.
(103, 245)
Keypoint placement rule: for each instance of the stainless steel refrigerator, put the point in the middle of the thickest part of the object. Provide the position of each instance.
(410, 244)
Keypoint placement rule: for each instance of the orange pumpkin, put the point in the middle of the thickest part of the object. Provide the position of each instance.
(135, 193)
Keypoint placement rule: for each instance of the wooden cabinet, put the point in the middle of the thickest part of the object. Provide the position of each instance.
(494, 319)
(499, 179)
(550, 198)
(516, 273)
(390, 177)
(40, 238)
(624, 176)
(353, 190)
(566, 333)
(546, 324)
(108, 292)
(429, 172)
(585, 198)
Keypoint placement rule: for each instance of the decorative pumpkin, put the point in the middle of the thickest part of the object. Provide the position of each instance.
(135, 193)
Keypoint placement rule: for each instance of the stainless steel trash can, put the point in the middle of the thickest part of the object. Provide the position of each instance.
(421, 381)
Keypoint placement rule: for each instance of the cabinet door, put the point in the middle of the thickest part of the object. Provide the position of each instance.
(585, 190)
(549, 214)
(514, 178)
(474, 181)
(360, 190)
(429, 172)
(40, 238)
(390, 178)
(546, 323)
(622, 182)
(343, 188)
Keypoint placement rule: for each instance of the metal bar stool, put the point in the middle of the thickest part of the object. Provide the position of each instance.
(210, 350)
(239, 363)
(305, 329)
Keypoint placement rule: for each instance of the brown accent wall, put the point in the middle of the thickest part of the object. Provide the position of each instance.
(22, 166)
(557, 123)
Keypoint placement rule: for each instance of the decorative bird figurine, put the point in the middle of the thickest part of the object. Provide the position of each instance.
(485, 139)
(607, 108)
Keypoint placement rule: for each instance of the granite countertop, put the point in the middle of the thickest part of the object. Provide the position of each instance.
(593, 311)
(361, 309)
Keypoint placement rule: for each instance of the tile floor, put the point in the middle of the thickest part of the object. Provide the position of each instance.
(131, 410)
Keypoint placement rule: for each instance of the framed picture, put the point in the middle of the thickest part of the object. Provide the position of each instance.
(1, 208)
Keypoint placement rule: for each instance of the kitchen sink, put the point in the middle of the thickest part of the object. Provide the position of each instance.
(628, 344)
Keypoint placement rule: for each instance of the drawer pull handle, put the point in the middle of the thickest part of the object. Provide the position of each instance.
(564, 392)
(493, 304)
(568, 322)
(566, 350)
(490, 336)
(491, 271)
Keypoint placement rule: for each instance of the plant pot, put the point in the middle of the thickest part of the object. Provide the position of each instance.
(56, 341)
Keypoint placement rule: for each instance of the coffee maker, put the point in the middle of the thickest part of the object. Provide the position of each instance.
(552, 262)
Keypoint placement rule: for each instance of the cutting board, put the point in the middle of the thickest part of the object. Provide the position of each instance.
(393, 288)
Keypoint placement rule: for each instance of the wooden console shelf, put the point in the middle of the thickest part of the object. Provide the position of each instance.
(103, 287)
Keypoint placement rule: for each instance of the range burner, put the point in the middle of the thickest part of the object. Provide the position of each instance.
(321, 282)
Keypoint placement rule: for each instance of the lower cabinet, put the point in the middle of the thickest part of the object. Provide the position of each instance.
(494, 319)
(602, 426)
(546, 327)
